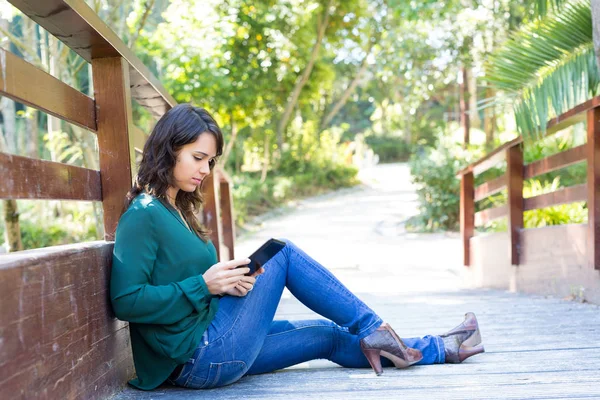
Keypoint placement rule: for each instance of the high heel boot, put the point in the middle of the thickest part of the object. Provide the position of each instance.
(463, 341)
(385, 342)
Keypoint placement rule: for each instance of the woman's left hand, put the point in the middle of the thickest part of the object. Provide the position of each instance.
(245, 285)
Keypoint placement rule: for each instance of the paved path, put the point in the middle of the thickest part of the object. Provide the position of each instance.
(536, 347)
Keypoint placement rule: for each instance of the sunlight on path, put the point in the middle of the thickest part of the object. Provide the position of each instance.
(359, 235)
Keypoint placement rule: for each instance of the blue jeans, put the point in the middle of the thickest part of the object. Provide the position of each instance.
(243, 339)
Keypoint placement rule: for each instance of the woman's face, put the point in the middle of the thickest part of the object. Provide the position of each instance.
(192, 164)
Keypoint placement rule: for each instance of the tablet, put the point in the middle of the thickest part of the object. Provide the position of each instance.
(264, 254)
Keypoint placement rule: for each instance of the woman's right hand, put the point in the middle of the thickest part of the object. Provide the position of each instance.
(225, 275)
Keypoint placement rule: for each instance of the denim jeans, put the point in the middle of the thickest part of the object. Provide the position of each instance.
(243, 339)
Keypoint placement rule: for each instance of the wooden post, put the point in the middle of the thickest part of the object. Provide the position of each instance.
(227, 220)
(113, 114)
(211, 211)
(593, 187)
(514, 181)
(467, 214)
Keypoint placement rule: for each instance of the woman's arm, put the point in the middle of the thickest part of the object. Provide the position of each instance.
(133, 298)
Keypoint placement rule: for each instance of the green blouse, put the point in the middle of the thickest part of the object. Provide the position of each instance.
(157, 285)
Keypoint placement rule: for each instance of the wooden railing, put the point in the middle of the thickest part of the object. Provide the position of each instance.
(59, 336)
(516, 172)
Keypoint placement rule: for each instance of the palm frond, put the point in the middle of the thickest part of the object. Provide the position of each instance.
(549, 66)
(545, 7)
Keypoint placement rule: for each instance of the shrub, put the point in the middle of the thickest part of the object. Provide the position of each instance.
(389, 148)
(438, 189)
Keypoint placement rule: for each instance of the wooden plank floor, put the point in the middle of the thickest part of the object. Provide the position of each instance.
(536, 347)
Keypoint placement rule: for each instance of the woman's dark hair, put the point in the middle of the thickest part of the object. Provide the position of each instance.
(179, 126)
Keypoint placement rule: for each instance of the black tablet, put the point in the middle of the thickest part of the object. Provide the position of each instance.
(264, 254)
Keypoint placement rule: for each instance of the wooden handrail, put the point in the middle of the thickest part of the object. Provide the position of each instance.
(26, 178)
(75, 24)
(27, 84)
(489, 160)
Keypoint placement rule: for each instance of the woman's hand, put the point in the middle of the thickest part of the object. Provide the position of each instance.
(245, 285)
(225, 275)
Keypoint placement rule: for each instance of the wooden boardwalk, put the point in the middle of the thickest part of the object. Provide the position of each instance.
(536, 347)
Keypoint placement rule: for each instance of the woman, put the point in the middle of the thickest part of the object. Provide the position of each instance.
(199, 323)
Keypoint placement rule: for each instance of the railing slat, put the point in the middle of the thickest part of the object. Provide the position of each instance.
(489, 188)
(27, 84)
(26, 178)
(556, 161)
(561, 196)
(490, 214)
(75, 24)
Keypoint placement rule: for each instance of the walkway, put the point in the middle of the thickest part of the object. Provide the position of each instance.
(537, 348)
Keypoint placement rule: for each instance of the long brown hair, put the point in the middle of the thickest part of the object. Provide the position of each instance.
(179, 126)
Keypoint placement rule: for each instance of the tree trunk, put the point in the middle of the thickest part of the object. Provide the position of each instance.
(12, 232)
(474, 120)
(464, 107)
(229, 147)
(147, 9)
(265, 168)
(293, 99)
(596, 27)
(489, 121)
(349, 90)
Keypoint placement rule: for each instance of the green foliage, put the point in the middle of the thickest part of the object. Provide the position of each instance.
(548, 66)
(252, 197)
(434, 172)
(389, 148)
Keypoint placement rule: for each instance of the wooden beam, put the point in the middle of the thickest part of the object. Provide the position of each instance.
(467, 214)
(29, 85)
(211, 211)
(514, 174)
(561, 196)
(77, 25)
(111, 89)
(490, 214)
(489, 188)
(593, 186)
(491, 159)
(571, 117)
(227, 218)
(26, 178)
(556, 161)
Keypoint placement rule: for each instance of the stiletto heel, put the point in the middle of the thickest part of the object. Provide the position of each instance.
(385, 342)
(463, 341)
(465, 351)
(374, 358)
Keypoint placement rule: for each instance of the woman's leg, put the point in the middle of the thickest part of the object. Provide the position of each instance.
(236, 335)
(293, 342)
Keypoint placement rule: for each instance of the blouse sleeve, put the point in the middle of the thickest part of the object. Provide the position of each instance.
(133, 298)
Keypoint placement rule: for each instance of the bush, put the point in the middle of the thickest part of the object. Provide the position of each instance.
(389, 148)
(434, 171)
(438, 189)
(252, 197)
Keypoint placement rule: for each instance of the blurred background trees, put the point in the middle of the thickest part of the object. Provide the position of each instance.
(310, 91)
